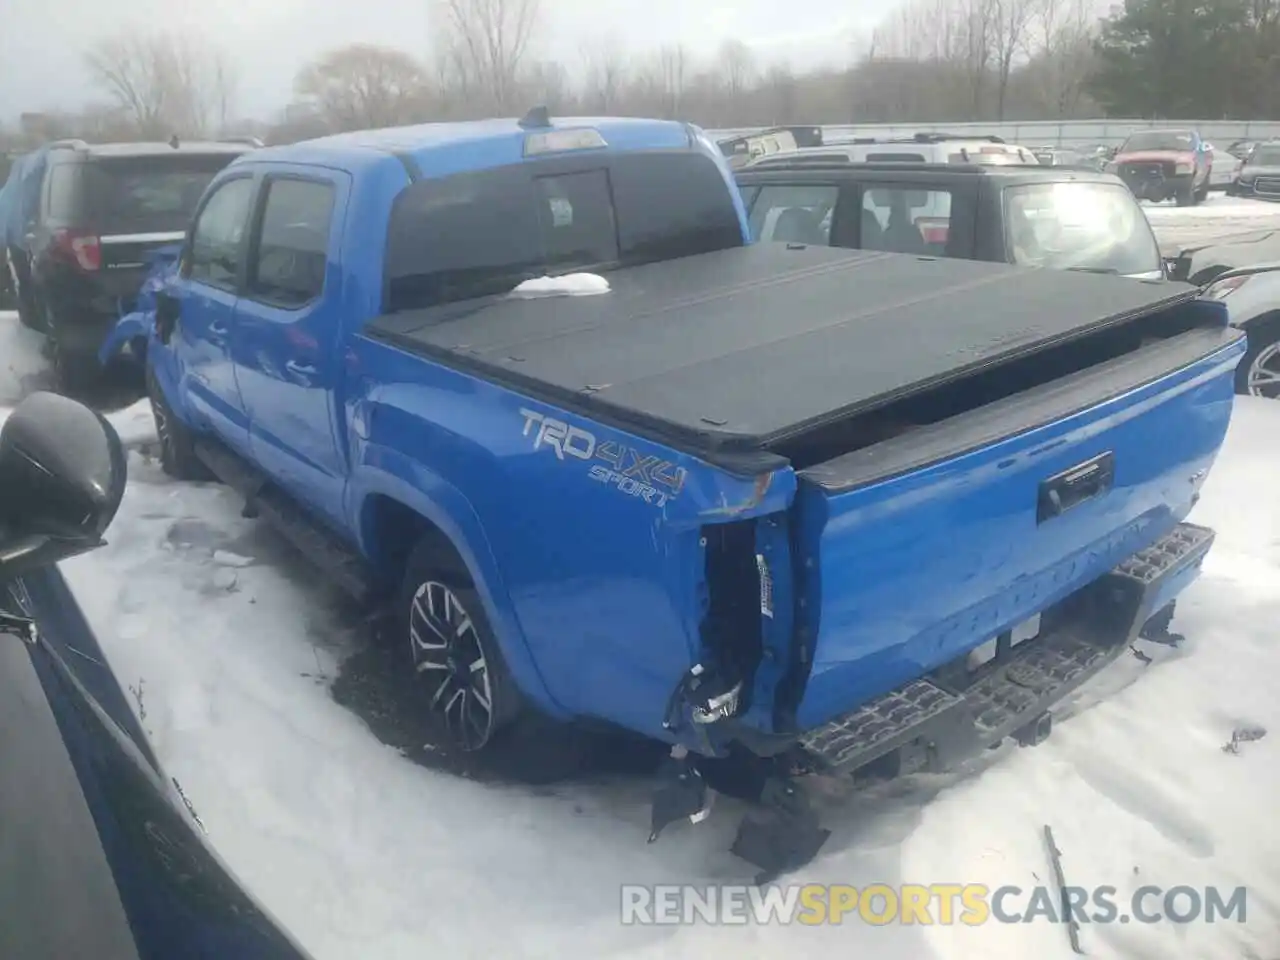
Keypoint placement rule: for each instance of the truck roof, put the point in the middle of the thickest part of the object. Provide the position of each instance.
(471, 144)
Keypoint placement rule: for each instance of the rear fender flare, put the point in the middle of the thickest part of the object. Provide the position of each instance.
(441, 504)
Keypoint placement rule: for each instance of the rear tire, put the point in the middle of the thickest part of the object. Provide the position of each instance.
(177, 444)
(454, 653)
(1203, 193)
(1186, 197)
(1259, 372)
(74, 373)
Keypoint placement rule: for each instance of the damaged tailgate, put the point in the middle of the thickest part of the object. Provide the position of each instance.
(918, 549)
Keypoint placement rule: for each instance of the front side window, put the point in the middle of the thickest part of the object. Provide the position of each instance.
(482, 233)
(794, 213)
(218, 234)
(291, 253)
(906, 219)
(1079, 226)
(1266, 155)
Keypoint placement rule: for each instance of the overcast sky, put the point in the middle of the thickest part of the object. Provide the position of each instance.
(42, 41)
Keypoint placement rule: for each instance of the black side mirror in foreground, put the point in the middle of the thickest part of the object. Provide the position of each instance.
(62, 476)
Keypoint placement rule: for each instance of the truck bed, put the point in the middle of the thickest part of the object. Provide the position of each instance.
(741, 349)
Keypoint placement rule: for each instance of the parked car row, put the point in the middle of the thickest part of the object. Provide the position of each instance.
(79, 221)
(888, 196)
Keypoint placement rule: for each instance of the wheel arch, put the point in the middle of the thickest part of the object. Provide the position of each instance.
(394, 516)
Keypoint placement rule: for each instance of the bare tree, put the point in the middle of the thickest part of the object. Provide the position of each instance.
(1062, 34)
(976, 47)
(548, 84)
(1010, 23)
(604, 74)
(363, 86)
(781, 92)
(487, 43)
(736, 65)
(165, 83)
(673, 77)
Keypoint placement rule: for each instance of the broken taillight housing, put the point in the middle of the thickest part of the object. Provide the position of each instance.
(82, 249)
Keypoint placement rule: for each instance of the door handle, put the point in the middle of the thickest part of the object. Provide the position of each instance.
(300, 369)
(217, 329)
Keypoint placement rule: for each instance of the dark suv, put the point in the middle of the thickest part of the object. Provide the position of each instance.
(103, 210)
(1057, 217)
(1259, 175)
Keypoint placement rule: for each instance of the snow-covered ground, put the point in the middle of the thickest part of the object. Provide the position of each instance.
(363, 854)
(1218, 217)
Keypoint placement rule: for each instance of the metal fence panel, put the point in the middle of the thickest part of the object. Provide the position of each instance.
(1034, 133)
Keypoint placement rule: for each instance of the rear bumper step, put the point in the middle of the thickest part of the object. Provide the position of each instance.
(943, 722)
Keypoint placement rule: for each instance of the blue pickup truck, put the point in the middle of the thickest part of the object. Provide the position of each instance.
(787, 509)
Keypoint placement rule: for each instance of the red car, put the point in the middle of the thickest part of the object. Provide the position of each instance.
(1165, 164)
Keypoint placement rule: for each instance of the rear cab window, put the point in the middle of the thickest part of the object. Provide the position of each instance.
(482, 233)
(1080, 226)
(149, 194)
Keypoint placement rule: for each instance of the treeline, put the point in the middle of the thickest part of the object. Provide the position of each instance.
(930, 60)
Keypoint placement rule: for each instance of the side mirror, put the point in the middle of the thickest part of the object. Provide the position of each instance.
(62, 476)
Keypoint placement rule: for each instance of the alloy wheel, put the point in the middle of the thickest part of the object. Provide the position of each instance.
(1263, 378)
(163, 432)
(449, 659)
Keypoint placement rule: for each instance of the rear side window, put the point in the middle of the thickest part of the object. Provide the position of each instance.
(482, 233)
(905, 219)
(291, 252)
(1082, 226)
(794, 213)
(64, 192)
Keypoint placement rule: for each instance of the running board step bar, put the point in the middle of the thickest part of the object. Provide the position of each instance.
(263, 499)
(1012, 696)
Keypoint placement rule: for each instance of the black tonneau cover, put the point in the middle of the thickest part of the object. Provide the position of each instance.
(738, 349)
